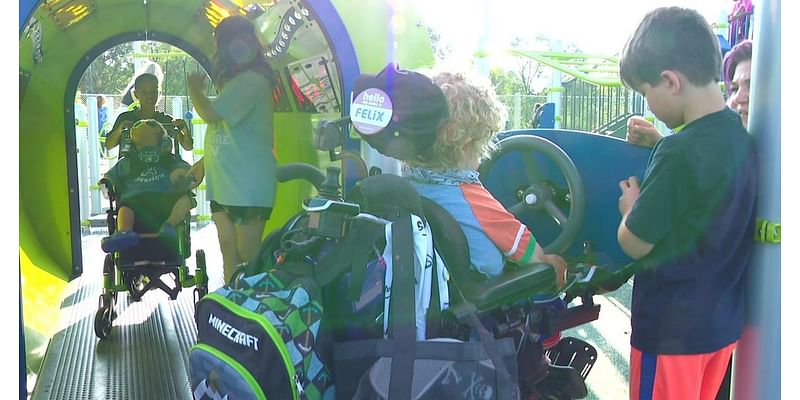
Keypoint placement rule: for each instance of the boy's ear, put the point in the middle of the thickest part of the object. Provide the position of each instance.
(672, 80)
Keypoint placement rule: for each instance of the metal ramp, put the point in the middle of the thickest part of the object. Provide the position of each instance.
(147, 354)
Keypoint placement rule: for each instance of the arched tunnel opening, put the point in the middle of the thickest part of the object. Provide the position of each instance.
(317, 49)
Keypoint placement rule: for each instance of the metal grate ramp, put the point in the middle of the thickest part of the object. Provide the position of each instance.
(145, 357)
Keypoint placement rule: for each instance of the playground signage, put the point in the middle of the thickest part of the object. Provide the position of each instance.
(371, 111)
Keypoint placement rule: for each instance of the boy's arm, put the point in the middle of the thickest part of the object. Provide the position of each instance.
(510, 235)
(113, 138)
(649, 213)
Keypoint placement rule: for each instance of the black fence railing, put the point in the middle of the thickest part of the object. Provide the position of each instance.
(591, 108)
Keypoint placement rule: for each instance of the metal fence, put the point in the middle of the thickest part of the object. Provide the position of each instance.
(584, 107)
(601, 109)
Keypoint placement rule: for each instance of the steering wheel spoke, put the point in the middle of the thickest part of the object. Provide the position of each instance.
(551, 208)
(517, 209)
(530, 168)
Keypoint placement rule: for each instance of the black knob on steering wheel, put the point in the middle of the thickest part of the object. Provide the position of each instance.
(539, 196)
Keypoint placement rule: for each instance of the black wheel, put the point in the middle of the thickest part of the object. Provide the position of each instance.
(538, 194)
(109, 272)
(102, 322)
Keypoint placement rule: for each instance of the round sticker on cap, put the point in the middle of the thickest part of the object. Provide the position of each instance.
(371, 111)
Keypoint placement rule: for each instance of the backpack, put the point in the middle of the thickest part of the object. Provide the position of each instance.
(262, 338)
(409, 361)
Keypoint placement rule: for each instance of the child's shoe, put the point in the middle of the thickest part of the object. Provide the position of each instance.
(168, 231)
(119, 241)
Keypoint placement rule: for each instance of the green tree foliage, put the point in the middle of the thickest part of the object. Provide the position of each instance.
(175, 63)
(112, 71)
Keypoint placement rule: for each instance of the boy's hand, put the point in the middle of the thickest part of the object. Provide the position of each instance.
(181, 124)
(630, 192)
(559, 265)
(641, 132)
(125, 125)
(597, 280)
(196, 80)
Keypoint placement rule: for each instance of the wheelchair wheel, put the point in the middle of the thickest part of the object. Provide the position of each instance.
(200, 276)
(102, 322)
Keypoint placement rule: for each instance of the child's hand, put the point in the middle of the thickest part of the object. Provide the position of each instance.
(559, 265)
(630, 193)
(641, 132)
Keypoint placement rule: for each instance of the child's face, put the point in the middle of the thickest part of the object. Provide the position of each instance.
(662, 101)
(146, 133)
(147, 93)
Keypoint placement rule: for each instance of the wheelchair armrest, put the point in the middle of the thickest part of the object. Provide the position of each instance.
(508, 288)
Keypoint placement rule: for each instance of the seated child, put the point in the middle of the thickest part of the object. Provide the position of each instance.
(441, 156)
(152, 189)
(447, 173)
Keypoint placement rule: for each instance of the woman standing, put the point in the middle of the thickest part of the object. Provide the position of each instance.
(238, 160)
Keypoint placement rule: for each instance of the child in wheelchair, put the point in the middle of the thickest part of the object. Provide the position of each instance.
(151, 187)
(442, 128)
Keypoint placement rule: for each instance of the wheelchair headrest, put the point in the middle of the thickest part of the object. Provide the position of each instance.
(398, 112)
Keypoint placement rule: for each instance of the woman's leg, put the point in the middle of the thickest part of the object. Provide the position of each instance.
(226, 232)
(248, 238)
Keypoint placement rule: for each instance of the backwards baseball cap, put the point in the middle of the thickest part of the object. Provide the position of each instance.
(398, 112)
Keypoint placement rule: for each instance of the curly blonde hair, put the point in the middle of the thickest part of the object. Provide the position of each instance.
(476, 115)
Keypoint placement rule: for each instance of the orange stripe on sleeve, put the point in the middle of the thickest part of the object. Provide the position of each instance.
(510, 235)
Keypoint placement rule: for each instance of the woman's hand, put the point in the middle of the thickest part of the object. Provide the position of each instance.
(641, 132)
(196, 174)
(196, 80)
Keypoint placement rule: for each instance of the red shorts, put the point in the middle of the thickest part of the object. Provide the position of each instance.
(678, 376)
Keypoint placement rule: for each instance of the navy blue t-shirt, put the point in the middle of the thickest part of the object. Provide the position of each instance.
(697, 206)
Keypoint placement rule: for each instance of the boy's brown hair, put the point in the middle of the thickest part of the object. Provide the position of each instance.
(671, 38)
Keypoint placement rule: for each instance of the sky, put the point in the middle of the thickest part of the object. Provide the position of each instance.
(597, 27)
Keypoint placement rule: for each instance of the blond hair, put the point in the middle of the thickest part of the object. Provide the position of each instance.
(476, 115)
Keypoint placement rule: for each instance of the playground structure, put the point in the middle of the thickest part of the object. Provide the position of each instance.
(341, 38)
(585, 91)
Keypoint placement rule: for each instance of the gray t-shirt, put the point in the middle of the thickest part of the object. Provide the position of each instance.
(239, 162)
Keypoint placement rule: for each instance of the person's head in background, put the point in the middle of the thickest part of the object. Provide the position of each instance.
(476, 115)
(736, 69)
(238, 49)
(147, 91)
(149, 68)
(101, 101)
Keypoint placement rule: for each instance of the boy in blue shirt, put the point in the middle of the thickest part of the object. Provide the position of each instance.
(690, 224)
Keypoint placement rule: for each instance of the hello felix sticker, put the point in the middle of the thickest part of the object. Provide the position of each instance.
(371, 111)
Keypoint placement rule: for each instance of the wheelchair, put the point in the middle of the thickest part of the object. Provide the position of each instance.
(504, 303)
(139, 269)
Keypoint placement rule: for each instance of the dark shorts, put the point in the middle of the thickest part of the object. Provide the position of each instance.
(151, 209)
(242, 215)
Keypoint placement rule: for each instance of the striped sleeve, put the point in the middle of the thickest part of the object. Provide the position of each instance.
(510, 235)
